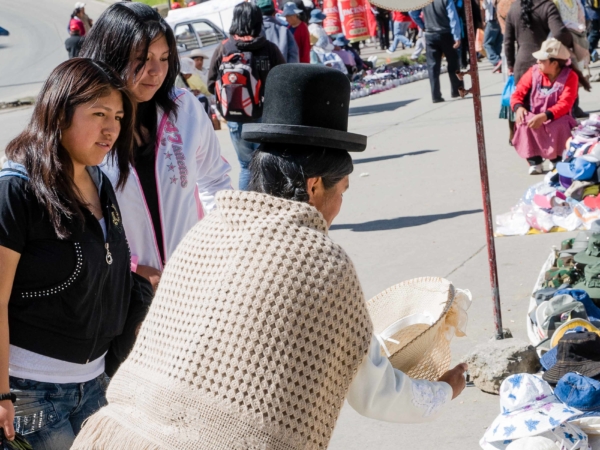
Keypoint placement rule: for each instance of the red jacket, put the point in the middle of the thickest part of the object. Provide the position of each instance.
(565, 102)
(76, 23)
(302, 38)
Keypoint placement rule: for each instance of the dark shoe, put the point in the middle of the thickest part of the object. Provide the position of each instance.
(498, 67)
(438, 100)
(455, 95)
(580, 113)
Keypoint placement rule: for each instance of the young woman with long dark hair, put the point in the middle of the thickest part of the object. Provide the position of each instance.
(177, 167)
(65, 278)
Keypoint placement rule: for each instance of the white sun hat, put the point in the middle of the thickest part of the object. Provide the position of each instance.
(566, 436)
(415, 321)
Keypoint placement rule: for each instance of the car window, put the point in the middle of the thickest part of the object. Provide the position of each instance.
(184, 35)
(207, 34)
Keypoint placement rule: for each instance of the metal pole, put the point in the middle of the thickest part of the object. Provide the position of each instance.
(483, 168)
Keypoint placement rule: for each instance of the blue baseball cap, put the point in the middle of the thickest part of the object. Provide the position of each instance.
(579, 392)
(577, 169)
(339, 42)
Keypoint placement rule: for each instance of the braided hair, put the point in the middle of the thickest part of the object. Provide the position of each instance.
(527, 12)
(281, 170)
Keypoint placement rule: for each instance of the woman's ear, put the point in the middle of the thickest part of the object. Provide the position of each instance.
(314, 188)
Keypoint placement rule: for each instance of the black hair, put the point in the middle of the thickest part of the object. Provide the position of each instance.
(526, 12)
(120, 38)
(75, 12)
(281, 170)
(583, 81)
(247, 20)
(73, 83)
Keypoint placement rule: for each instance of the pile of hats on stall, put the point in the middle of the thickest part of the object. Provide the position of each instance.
(534, 417)
(569, 197)
(571, 290)
(385, 78)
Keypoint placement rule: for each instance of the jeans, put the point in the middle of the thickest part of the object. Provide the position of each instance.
(594, 34)
(492, 41)
(436, 45)
(400, 35)
(244, 150)
(50, 415)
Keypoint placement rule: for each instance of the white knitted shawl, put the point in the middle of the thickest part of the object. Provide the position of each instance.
(255, 333)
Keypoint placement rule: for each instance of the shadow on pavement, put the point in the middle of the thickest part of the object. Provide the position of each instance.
(372, 109)
(401, 222)
(387, 157)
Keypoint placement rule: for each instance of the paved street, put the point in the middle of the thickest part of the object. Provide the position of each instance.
(414, 209)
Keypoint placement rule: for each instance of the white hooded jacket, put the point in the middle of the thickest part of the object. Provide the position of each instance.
(189, 172)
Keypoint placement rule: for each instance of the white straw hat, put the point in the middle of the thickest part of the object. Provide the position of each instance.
(414, 322)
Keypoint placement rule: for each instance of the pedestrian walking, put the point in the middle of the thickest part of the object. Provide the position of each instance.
(382, 16)
(528, 25)
(66, 287)
(73, 43)
(177, 163)
(277, 32)
(492, 38)
(442, 37)
(293, 338)
(299, 29)
(542, 102)
(401, 22)
(249, 52)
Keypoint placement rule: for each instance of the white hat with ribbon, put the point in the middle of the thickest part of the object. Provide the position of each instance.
(415, 321)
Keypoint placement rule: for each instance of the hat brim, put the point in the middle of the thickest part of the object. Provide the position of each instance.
(553, 408)
(584, 258)
(569, 325)
(594, 293)
(560, 369)
(540, 55)
(263, 133)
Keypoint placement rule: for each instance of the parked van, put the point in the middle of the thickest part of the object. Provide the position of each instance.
(202, 26)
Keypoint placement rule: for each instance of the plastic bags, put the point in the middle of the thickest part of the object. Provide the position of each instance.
(508, 90)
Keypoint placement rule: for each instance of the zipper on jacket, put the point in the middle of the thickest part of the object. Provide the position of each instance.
(109, 259)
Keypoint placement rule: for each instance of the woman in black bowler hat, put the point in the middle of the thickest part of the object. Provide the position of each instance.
(276, 331)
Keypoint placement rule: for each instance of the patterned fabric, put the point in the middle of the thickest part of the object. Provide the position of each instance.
(528, 408)
(256, 331)
(564, 437)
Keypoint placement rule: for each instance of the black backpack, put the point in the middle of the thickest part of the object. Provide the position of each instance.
(239, 87)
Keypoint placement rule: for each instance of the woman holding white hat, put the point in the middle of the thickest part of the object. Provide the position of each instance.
(259, 329)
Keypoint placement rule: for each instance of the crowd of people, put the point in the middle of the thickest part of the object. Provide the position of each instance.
(128, 260)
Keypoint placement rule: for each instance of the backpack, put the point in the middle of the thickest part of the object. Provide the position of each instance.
(239, 88)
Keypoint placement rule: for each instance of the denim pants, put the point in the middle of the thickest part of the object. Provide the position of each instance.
(400, 35)
(593, 34)
(50, 415)
(492, 41)
(244, 150)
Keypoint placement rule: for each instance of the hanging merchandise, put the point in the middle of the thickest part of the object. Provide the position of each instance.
(332, 24)
(353, 14)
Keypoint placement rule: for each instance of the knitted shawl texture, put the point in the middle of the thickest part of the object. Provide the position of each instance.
(256, 331)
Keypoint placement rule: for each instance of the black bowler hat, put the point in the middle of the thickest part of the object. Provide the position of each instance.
(306, 104)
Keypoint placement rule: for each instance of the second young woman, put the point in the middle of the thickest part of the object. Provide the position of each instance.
(178, 167)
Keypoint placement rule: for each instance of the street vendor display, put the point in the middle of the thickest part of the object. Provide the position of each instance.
(568, 197)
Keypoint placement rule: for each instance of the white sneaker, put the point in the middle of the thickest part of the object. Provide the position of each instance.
(389, 51)
(552, 165)
(536, 169)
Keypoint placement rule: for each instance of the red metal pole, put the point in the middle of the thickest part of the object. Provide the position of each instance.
(483, 169)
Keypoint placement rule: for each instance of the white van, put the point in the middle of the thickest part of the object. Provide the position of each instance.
(202, 26)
